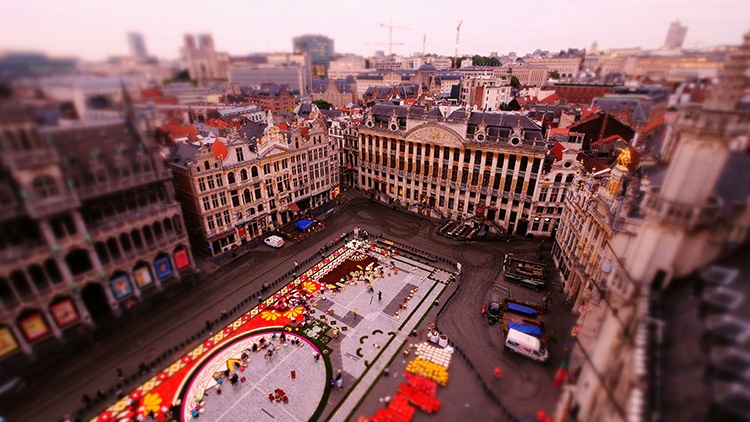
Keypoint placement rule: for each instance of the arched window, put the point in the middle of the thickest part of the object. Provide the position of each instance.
(45, 186)
(114, 249)
(254, 171)
(206, 166)
(38, 277)
(243, 174)
(158, 233)
(148, 235)
(230, 177)
(137, 240)
(101, 252)
(21, 284)
(246, 196)
(78, 261)
(168, 225)
(6, 294)
(558, 178)
(569, 178)
(53, 272)
(177, 221)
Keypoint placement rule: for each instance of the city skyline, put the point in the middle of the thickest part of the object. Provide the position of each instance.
(93, 31)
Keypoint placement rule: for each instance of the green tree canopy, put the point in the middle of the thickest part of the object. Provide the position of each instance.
(323, 104)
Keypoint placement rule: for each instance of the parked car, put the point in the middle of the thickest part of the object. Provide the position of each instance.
(274, 241)
(494, 308)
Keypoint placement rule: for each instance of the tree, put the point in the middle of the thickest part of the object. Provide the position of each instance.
(514, 82)
(554, 75)
(323, 104)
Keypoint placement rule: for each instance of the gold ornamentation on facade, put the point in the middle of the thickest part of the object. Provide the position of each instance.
(623, 159)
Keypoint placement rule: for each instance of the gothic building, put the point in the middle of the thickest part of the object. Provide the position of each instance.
(89, 226)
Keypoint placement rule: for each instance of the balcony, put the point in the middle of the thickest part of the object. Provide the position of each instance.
(136, 218)
(691, 216)
(41, 208)
(123, 184)
(30, 158)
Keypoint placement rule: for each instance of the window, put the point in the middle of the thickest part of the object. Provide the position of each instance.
(235, 198)
(202, 184)
(243, 174)
(223, 198)
(210, 222)
(211, 183)
(240, 155)
(215, 200)
(45, 186)
(246, 196)
(206, 204)
(206, 166)
(219, 180)
(230, 178)
(227, 219)
(254, 171)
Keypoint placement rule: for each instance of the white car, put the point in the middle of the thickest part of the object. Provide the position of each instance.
(274, 241)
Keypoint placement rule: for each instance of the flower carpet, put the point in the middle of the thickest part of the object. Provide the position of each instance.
(178, 386)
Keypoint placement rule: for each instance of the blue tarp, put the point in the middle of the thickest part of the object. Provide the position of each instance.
(303, 224)
(520, 309)
(528, 329)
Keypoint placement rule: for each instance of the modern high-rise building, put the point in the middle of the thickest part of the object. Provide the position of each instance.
(675, 36)
(320, 50)
(137, 46)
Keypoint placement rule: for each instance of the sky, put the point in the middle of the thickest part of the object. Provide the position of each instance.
(96, 30)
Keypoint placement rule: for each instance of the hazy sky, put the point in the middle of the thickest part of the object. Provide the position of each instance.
(96, 30)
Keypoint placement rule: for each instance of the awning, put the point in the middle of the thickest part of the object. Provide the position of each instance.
(303, 224)
(293, 207)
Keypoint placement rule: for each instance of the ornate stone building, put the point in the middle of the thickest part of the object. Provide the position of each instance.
(236, 188)
(450, 163)
(627, 233)
(89, 226)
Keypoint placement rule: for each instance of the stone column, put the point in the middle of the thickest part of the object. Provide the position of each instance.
(65, 271)
(53, 325)
(22, 343)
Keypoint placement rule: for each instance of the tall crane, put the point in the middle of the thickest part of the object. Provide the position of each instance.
(458, 31)
(390, 27)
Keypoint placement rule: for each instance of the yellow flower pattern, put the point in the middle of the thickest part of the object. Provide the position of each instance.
(152, 402)
(294, 312)
(310, 287)
(271, 315)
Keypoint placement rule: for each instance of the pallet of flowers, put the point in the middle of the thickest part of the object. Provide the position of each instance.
(398, 410)
(429, 370)
(419, 399)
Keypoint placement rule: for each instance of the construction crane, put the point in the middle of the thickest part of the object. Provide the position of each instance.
(458, 31)
(390, 27)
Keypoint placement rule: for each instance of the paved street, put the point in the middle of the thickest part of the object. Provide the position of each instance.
(160, 329)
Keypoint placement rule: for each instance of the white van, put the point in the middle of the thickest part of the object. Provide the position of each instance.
(274, 241)
(526, 345)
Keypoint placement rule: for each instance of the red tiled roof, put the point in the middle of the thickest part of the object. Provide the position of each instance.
(591, 164)
(559, 131)
(609, 139)
(178, 130)
(550, 99)
(557, 151)
(282, 126)
(217, 123)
